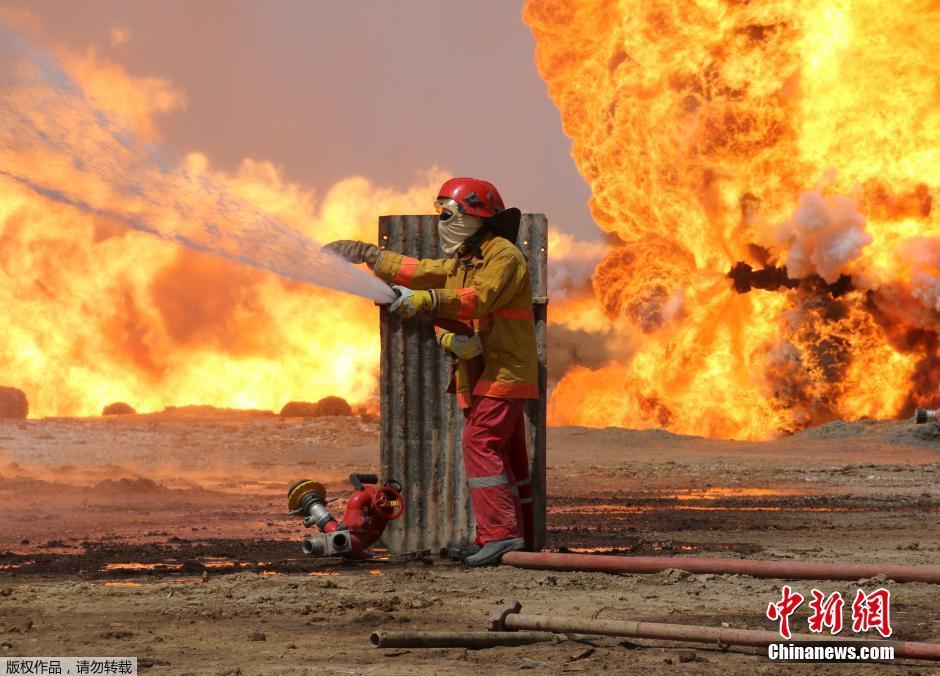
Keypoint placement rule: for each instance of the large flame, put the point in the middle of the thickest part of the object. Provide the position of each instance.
(722, 136)
(94, 312)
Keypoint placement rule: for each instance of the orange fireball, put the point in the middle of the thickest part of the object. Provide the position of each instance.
(726, 136)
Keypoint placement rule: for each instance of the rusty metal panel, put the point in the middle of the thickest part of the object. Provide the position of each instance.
(421, 426)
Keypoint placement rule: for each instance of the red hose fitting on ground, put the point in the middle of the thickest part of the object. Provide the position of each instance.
(368, 511)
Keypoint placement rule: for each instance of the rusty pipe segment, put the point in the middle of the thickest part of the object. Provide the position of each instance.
(459, 639)
(923, 415)
(784, 570)
(511, 619)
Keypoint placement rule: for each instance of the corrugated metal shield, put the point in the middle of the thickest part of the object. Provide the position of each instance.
(421, 424)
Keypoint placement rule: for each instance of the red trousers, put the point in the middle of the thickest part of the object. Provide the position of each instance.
(497, 464)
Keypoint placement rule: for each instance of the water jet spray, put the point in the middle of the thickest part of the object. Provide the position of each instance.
(93, 162)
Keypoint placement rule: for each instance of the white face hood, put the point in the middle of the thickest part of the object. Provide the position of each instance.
(454, 226)
(456, 230)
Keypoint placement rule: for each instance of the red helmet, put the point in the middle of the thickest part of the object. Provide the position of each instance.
(475, 197)
(481, 198)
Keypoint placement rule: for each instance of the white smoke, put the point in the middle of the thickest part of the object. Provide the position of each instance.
(825, 236)
(572, 264)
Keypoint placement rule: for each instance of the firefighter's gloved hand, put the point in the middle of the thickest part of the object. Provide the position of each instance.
(464, 347)
(354, 251)
(409, 302)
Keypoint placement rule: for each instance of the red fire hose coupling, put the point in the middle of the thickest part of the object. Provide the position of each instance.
(368, 511)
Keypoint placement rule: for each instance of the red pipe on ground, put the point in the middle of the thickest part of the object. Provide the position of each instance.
(786, 570)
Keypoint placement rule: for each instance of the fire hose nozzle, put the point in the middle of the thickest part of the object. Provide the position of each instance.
(924, 415)
(397, 294)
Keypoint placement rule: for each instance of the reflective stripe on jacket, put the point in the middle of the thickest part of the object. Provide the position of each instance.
(494, 293)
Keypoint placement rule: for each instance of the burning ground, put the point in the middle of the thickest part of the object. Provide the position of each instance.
(165, 536)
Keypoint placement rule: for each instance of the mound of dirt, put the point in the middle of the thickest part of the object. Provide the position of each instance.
(13, 403)
(916, 435)
(333, 406)
(299, 409)
(130, 486)
(118, 408)
(837, 429)
(326, 407)
(899, 432)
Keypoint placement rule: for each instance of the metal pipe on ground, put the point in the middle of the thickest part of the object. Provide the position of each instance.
(459, 639)
(787, 570)
(924, 415)
(510, 619)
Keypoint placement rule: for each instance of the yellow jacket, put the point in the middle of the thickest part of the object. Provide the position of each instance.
(494, 295)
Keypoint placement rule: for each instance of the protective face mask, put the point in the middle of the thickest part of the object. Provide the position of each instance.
(454, 227)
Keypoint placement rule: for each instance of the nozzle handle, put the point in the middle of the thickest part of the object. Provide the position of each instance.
(388, 501)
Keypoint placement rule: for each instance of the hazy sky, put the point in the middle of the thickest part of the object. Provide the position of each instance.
(331, 89)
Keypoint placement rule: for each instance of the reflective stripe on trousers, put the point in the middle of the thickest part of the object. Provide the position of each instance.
(484, 481)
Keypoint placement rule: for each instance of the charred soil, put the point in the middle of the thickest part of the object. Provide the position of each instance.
(165, 536)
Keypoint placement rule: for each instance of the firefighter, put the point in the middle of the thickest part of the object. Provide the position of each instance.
(484, 281)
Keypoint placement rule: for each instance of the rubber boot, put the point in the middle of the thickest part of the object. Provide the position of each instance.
(492, 552)
(460, 553)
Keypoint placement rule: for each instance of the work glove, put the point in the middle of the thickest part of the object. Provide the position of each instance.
(409, 302)
(463, 347)
(354, 251)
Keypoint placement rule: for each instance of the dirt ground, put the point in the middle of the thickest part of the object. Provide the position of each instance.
(165, 537)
